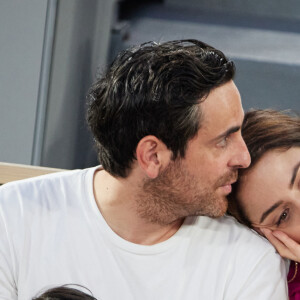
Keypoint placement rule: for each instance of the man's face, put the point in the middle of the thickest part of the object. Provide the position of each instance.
(199, 183)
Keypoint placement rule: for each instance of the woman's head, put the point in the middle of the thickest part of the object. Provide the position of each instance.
(65, 293)
(268, 192)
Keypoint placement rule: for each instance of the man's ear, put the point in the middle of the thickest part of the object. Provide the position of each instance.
(152, 155)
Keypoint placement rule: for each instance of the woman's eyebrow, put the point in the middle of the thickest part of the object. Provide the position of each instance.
(268, 211)
(295, 171)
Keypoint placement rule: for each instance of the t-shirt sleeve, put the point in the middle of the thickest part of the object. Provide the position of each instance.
(8, 290)
(265, 280)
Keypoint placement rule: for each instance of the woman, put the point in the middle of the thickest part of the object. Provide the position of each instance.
(267, 195)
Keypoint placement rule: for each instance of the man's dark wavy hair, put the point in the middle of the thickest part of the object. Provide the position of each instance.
(65, 293)
(153, 89)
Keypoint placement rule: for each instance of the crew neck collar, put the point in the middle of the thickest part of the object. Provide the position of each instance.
(119, 241)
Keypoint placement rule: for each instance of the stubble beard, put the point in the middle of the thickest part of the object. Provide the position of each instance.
(176, 194)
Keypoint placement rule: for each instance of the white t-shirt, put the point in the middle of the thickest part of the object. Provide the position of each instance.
(52, 233)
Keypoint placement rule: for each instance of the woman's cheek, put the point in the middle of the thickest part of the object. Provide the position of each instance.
(293, 232)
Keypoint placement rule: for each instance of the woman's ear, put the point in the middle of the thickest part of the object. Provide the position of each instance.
(152, 155)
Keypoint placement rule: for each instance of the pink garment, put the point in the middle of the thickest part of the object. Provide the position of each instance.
(294, 281)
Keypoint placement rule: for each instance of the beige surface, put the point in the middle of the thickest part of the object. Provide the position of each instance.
(10, 172)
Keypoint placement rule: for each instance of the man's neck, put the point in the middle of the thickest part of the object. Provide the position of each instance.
(117, 202)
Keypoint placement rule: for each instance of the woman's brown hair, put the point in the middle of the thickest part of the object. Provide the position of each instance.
(264, 130)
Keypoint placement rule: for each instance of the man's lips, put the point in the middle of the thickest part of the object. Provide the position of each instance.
(226, 181)
(227, 187)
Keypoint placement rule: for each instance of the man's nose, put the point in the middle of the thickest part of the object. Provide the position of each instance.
(241, 157)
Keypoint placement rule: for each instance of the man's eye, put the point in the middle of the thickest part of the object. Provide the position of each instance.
(223, 142)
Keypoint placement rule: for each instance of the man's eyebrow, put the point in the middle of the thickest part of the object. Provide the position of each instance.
(268, 211)
(295, 171)
(227, 132)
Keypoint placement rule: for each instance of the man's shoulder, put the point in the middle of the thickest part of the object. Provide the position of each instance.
(242, 258)
(230, 240)
(226, 230)
(38, 181)
(38, 190)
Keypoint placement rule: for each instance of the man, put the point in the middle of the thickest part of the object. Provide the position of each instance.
(166, 120)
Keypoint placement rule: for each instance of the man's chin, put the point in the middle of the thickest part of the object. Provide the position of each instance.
(221, 209)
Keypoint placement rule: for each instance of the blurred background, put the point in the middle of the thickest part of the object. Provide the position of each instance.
(52, 50)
